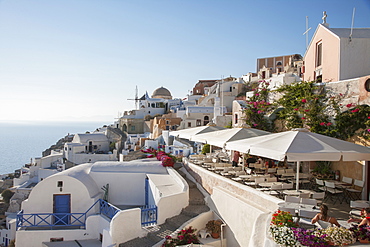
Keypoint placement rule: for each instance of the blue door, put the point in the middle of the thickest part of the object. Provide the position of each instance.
(62, 209)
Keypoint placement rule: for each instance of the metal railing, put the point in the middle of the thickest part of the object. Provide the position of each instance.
(149, 215)
(57, 220)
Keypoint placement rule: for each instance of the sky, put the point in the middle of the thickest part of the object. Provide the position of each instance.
(80, 60)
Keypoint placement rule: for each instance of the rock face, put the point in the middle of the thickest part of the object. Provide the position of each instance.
(58, 145)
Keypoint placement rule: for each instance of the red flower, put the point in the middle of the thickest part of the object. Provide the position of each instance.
(303, 118)
(328, 124)
(341, 94)
(307, 110)
(322, 123)
(304, 101)
(296, 109)
(368, 117)
(355, 110)
(349, 105)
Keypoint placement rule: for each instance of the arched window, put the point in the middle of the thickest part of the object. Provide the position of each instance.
(124, 128)
(206, 120)
(367, 85)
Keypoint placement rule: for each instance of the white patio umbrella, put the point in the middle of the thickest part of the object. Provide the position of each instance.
(219, 138)
(301, 145)
(188, 133)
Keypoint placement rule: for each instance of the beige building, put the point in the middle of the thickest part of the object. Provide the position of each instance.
(336, 54)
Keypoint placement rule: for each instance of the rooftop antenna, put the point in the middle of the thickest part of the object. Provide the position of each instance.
(306, 32)
(136, 98)
(353, 20)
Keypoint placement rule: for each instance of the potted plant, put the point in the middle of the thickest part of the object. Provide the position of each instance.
(214, 228)
(362, 233)
(185, 236)
(337, 235)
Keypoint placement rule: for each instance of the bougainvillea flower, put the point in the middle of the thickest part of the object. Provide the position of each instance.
(303, 118)
(349, 105)
(307, 110)
(296, 109)
(328, 124)
(322, 123)
(355, 110)
(304, 101)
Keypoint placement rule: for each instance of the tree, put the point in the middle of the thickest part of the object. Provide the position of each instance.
(7, 194)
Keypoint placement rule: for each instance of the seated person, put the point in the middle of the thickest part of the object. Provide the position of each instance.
(365, 213)
(366, 220)
(323, 216)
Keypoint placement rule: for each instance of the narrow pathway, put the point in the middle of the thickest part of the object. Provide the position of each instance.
(157, 233)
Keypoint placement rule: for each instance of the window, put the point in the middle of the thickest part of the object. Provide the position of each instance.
(367, 85)
(167, 122)
(279, 63)
(133, 128)
(189, 124)
(167, 127)
(236, 119)
(60, 184)
(318, 54)
(199, 122)
(206, 120)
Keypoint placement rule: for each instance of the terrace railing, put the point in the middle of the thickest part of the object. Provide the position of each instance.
(149, 215)
(58, 220)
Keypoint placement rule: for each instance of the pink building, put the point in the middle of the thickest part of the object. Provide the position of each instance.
(336, 54)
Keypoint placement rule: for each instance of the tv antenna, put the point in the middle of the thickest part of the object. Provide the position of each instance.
(306, 32)
(136, 98)
(353, 20)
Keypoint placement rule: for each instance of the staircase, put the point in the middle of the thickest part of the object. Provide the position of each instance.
(159, 232)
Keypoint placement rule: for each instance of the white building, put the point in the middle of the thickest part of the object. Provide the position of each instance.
(67, 206)
(89, 147)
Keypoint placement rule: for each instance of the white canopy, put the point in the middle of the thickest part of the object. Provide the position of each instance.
(219, 138)
(188, 133)
(301, 145)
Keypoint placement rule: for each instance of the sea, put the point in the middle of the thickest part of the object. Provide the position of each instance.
(21, 142)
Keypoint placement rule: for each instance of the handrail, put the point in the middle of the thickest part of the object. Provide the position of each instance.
(53, 220)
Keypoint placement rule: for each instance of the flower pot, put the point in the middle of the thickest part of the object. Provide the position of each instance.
(215, 235)
(364, 241)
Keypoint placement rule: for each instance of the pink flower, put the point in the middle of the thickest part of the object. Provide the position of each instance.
(307, 110)
(257, 94)
(267, 83)
(255, 125)
(322, 123)
(304, 101)
(349, 105)
(296, 109)
(368, 130)
(368, 117)
(303, 118)
(328, 124)
(355, 110)
(259, 112)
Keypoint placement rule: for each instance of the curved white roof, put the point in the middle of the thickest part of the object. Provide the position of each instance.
(82, 138)
(81, 173)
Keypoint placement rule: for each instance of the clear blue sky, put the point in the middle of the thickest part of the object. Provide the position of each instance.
(81, 59)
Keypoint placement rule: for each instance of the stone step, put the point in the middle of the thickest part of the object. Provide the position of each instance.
(195, 210)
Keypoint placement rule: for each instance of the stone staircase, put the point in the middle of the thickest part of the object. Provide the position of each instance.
(159, 232)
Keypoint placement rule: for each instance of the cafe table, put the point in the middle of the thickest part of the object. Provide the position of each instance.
(297, 192)
(299, 206)
(269, 184)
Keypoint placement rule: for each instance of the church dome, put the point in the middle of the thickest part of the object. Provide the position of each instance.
(162, 92)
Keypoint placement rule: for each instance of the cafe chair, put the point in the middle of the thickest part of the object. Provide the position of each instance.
(309, 201)
(305, 217)
(355, 192)
(293, 199)
(319, 196)
(333, 192)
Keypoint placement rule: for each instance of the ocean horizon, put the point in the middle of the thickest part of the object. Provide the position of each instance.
(22, 141)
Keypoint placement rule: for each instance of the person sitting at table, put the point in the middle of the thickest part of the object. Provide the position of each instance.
(236, 158)
(366, 220)
(251, 159)
(323, 216)
(363, 213)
